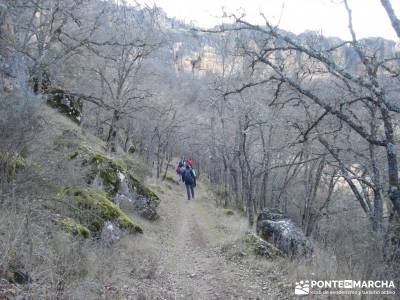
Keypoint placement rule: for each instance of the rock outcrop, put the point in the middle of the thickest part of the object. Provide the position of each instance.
(111, 233)
(65, 103)
(261, 247)
(276, 227)
(94, 211)
(116, 177)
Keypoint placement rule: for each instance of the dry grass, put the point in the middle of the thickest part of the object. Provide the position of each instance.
(65, 267)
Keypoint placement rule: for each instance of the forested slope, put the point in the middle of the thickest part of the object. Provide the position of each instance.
(100, 99)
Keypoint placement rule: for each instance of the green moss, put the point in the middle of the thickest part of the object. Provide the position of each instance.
(108, 170)
(119, 164)
(229, 212)
(143, 190)
(100, 207)
(72, 227)
(258, 246)
(114, 164)
(128, 224)
(110, 181)
(107, 167)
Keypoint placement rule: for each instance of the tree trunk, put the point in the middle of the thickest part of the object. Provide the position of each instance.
(7, 82)
(377, 222)
(309, 214)
(169, 158)
(225, 179)
(391, 154)
(112, 138)
(235, 185)
(247, 179)
(392, 16)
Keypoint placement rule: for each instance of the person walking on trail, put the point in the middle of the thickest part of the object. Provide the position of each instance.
(190, 162)
(189, 179)
(179, 170)
(182, 170)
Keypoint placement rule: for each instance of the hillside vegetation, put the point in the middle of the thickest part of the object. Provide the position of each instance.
(293, 139)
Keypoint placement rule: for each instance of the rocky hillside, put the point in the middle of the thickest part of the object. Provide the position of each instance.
(197, 50)
(101, 226)
(77, 192)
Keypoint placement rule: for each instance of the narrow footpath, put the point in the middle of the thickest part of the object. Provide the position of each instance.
(200, 255)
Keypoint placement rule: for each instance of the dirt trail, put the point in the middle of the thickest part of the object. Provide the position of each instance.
(191, 264)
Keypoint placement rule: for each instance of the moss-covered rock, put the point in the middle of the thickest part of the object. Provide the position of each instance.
(70, 226)
(229, 212)
(108, 170)
(143, 190)
(97, 208)
(65, 103)
(260, 247)
(115, 176)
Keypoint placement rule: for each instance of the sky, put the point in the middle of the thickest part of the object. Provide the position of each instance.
(327, 16)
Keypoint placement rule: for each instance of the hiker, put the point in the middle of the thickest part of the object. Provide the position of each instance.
(190, 163)
(182, 169)
(179, 170)
(189, 178)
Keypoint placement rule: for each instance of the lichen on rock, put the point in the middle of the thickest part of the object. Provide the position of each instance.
(96, 208)
(260, 247)
(273, 225)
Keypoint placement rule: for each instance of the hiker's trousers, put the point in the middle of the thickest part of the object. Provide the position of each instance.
(189, 190)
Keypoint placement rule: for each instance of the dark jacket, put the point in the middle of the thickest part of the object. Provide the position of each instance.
(188, 177)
